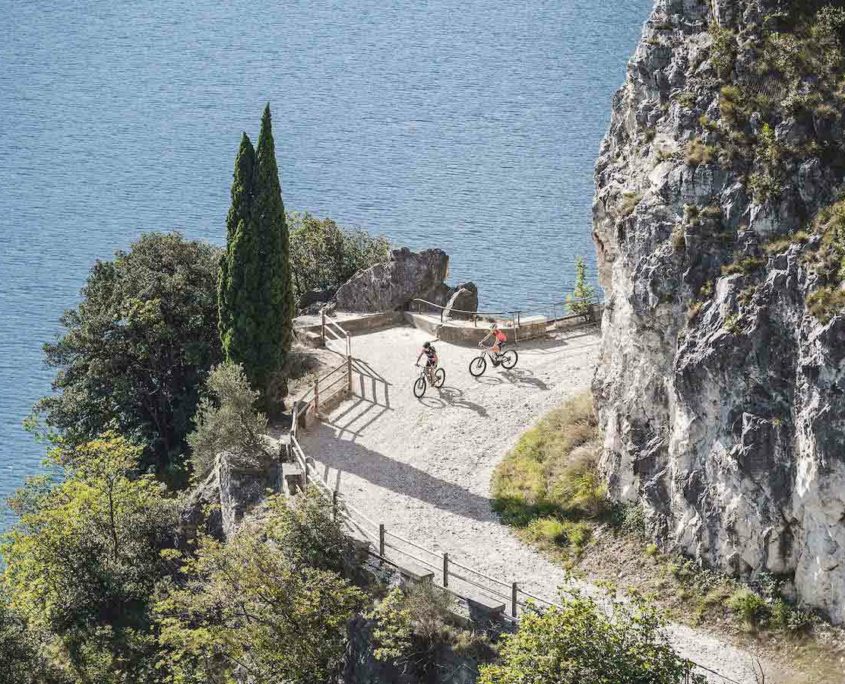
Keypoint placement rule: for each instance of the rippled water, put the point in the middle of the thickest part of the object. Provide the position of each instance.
(472, 126)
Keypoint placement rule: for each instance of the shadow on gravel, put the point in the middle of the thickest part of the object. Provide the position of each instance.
(452, 396)
(522, 376)
(352, 458)
(517, 376)
(358, 416)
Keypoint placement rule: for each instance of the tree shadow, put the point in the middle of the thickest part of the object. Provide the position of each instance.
(350, 457)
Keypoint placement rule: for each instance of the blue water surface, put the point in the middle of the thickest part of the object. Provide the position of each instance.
(471, 126)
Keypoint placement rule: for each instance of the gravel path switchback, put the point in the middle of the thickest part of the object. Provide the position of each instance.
(423, 467)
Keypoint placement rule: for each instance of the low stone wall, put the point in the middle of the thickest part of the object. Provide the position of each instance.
(358, 324)
(467, 334)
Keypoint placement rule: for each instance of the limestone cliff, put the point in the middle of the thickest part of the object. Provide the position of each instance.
(720, 235)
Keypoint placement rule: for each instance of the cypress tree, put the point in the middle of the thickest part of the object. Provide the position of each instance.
(269, 212)
(237, 219)
(256, 295)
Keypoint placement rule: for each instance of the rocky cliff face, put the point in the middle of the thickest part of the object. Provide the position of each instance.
(721, 247)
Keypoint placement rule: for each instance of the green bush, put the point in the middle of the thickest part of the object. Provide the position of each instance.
(260, 603)
(747, 605)
(227, 420)
(552, 468)
(580, 301)
(746, 265)
(698, 153)
(411, 628)
(579, 642)
(826, 302)
(780, 244)
(789, 618)
(324, 255)
(722, 50)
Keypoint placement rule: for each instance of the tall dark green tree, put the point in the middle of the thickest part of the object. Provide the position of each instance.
(236, 223)
(135, 352)
(256, 295)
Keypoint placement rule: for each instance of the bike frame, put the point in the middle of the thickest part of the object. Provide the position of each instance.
(428, 373)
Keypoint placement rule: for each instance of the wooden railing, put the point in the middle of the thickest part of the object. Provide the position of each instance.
(334, 335)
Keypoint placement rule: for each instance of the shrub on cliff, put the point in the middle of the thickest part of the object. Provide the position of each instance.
(22, 658)
(227, 420)
(136, 350)
(260, 605)
(256, 295)
(83, 559)
(580, 300)
(324, 255)
(579, 642)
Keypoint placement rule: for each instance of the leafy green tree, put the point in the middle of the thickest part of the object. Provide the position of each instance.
(580, 300)
(324, 255)
(256, 295)
(22, 657)
(228, 421)
(257, 607)
(136, 350)
(579, 642)
(83, 559)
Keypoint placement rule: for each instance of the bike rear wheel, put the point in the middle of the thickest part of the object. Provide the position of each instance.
(419, 387)
(509, 358)
(439, 377)
(477, 366)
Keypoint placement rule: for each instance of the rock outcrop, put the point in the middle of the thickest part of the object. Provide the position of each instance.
(395, 283)
(230, 491)
(721, 247)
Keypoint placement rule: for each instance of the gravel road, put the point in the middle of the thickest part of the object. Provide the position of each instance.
(423, 467)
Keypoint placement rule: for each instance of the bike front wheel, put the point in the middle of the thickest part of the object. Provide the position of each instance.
(439, 377)
(419, 387)
(509, 358)
(477, 366)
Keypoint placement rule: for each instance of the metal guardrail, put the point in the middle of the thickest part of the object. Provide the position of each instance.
(514, 318)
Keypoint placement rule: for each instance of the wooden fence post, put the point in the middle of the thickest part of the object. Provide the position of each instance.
(381, 540)
(445, 569)
(323, 328)
(349, 372)
(514, 591)
(334, 505)
(316, 396)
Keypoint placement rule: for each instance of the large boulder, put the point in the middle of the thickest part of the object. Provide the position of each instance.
(464, 299)
(393, 284)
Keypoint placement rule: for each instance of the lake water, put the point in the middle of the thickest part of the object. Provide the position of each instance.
(471, 126)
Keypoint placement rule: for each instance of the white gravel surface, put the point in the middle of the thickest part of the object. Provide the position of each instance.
(423, 467)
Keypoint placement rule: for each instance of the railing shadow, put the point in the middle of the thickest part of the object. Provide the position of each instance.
(351, 458)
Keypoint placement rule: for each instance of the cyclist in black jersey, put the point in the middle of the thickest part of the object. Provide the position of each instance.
(430, 354)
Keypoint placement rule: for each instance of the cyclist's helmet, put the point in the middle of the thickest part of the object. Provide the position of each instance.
(426, 345)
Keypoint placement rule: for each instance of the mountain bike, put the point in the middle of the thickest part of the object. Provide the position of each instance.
(428, 376)
(478, 365)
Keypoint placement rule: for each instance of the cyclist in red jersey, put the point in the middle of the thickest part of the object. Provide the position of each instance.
(499, 339)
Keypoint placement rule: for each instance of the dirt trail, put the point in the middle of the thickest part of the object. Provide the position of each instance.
(423, 467)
